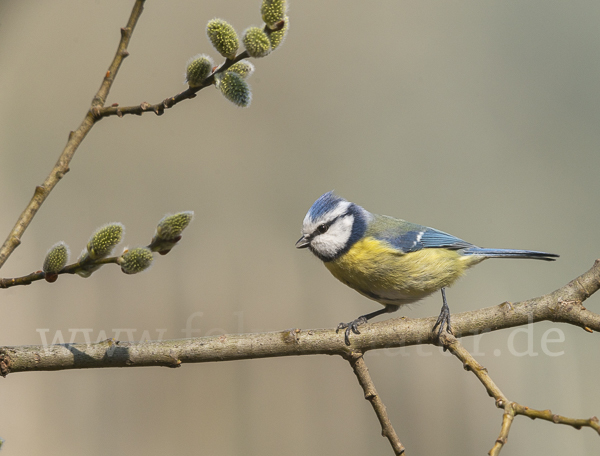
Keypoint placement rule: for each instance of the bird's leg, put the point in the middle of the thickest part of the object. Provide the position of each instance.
(444, 318)
(354, 324)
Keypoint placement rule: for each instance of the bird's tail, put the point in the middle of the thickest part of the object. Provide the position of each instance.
(509, 253)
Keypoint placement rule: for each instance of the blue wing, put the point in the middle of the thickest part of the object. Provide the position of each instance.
(433, 239)
(409, 237)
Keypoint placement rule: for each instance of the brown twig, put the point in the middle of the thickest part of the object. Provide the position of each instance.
(511, 408)
(159, 108)
(76, 267)
(547, 415)
(190, 92)
(75, 138)
(470, 364)
(40, 275)
(361, 371)
(507, 420)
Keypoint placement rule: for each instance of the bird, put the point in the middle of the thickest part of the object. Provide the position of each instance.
(389, 260)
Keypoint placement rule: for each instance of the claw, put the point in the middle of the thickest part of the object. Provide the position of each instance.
(351, 327)
(347, 336)
(443, 319)
(354, 324)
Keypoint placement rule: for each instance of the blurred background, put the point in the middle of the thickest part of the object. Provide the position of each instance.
(477, 118)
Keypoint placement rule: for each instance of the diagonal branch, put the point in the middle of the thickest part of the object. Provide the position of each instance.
(357, 362)
(511, 408)
(121, 53)
(75, 138)
(470, 364)
(507, 420)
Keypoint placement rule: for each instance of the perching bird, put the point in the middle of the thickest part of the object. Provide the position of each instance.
(388, 260)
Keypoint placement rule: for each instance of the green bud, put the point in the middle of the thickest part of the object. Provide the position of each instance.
(278, 36)
(135, 260)
(168, 231)
(273, 11)
(244, 68)
(171, 226)
(198, 68)
(56, 258)
(104, 240)
(223, 37)
(234, 88)
(256, 42)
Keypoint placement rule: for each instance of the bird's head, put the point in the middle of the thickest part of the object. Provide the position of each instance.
(331, 226)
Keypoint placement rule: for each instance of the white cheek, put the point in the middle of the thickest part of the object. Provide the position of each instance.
(335, 239)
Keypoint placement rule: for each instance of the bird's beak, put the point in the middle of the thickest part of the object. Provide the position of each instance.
(302, 243)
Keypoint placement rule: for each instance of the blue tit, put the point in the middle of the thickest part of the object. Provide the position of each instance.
(388, 260)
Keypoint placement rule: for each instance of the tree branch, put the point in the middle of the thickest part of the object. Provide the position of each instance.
(159, 108)
(39, 275)
(357, 362)
(507, 420)
(190, 92)
(121, 53)
(511, 408)
(75, 138)
(563, 305)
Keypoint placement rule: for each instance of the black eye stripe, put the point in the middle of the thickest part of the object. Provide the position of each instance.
(323, 227)
(317, 231)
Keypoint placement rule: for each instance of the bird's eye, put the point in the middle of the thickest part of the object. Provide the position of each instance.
(322, 228)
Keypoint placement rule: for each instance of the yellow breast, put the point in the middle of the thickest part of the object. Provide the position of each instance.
(382, 273)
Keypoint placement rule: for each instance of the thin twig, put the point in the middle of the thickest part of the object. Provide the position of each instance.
(39, 275)
(159, 108)
(357, 362)
(77, 267)
(471, 364)
(547, 415)
(511, 408)
(507, 420)
(75, 138)
(189, 93)
(121, 53)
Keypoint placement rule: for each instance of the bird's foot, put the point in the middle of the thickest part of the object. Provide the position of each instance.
(443, 321)
(351, 326)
